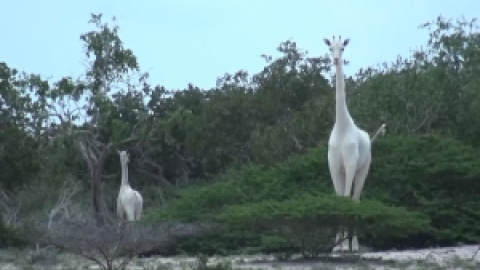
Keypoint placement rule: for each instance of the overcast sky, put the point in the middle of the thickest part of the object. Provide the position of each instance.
(195, 41)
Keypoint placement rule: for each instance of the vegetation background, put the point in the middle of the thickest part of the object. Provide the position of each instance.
(249, 156)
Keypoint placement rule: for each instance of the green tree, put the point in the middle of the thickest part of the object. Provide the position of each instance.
(101, 123)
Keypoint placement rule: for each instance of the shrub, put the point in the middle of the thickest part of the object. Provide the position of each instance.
(309, 222)
(439, 177)
(10, 237)
(435, 176)
(299, 174)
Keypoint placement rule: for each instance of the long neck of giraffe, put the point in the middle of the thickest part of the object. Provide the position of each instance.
(342, 116)
(124, 174)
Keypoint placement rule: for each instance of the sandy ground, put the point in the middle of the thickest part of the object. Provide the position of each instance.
(440, 258)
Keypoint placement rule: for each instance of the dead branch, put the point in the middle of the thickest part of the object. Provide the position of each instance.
(422, 123)
(411, 114)
(88, 149)
(183, 159)
(69, 189)
(298, 145)
(110, 246)
(159, 177)
(88, 155)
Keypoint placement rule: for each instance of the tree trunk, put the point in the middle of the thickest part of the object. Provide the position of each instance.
(97, 195)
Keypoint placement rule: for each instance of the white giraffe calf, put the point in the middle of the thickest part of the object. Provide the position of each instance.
(129, 201)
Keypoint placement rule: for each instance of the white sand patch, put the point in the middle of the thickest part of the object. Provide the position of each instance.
(452, 258)
(447, 258)
(433, 254)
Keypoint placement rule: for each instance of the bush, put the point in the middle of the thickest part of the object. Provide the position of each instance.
(299, 174)
(10, 237)
(111, 245)
(242, 186)
(439, 177)
(434, 176)
(308, 222)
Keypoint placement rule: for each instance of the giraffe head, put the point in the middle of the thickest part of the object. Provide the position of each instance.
(124, 157)
(336, 48)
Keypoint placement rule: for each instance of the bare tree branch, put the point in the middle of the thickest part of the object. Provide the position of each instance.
(110, 246)
(159, 177)
(298, 145)
(69, 189)
(87, 155)
(422, 123)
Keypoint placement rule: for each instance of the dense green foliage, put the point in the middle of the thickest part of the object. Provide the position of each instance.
(250, 154)
(308, 222)
(323, 211)
(435, 175)
(251, 184)
(404, 173)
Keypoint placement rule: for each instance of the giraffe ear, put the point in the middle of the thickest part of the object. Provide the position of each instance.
(345, 43)
(327, 41)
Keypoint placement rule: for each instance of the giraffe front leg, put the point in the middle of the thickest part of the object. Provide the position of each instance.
(350, 164)
(360, 178)
(336, 172)
(338, 178)
(351, 156)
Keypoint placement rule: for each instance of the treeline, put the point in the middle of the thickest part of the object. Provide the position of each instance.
(255, 141)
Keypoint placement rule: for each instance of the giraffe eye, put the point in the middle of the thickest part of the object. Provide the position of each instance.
(343, 49)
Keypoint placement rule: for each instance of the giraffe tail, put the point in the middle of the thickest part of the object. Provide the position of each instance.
(382, 130)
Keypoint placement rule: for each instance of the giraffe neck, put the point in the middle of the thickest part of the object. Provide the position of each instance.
(342, 116)
(124, 174)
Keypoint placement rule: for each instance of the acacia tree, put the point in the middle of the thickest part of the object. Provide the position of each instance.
(95, 123)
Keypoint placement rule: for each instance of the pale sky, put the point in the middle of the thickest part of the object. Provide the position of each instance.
(192, 41)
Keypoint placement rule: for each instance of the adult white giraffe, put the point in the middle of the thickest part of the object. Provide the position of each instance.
(349, 154)
(129, 201)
